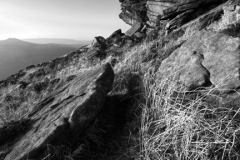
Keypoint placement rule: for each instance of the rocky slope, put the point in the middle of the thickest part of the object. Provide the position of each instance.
(65, 113)
(168, 88)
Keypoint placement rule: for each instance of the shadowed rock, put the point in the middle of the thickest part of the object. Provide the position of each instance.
(65, 113)
(133, 10)
(115, 37)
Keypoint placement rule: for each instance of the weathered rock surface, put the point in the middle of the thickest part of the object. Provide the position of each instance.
(170, 14)
(133, 10)
(134, 14)
(115, 37)
(65, 113)
(101, 46)
(206, 58)
(135, 27)
(175, 12)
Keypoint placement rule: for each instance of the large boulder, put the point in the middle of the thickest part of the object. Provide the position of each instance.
(204, 59)
(64, 114)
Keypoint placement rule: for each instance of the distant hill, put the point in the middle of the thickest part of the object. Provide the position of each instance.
(17, 54)
(58, 41)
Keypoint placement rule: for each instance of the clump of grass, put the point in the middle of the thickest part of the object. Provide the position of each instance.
(16, 103)
(190, 31)
(75, 67)
(228, 19)
(179, 125)
(58, 153)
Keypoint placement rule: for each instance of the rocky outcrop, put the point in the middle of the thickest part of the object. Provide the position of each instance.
(169, 14)
(174, 13)
(64, 114)
(101, 47)
(207, 58)
(134, 14)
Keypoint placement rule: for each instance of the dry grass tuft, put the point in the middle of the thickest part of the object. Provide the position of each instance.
(16, 103)
(228, 19)
(179, 125)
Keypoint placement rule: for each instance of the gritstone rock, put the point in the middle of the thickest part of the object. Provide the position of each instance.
(207, 57)
(65, 113)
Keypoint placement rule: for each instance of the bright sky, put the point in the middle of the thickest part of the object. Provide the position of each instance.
(68, 19)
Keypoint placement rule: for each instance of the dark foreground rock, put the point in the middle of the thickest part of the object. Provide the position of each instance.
(64, 114)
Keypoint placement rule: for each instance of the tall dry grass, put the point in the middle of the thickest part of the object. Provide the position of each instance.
(180, 125)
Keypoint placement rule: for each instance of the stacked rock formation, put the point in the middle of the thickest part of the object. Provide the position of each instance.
(169, 14)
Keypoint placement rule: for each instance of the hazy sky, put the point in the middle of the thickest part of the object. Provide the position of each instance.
(69, 19)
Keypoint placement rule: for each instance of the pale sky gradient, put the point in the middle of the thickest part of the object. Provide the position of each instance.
(68, 19)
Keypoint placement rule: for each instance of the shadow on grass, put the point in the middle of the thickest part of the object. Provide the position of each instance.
(10, 134)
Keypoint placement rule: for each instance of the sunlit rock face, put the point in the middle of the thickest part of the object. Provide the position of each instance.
(207, 58)
(62, 116)
(168, 13)
(175, 12)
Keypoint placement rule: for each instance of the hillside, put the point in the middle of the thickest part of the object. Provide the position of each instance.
(56, 41)
(17, 55)
(167, 89)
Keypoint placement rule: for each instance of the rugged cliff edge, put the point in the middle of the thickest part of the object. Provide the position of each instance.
(168, 88)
